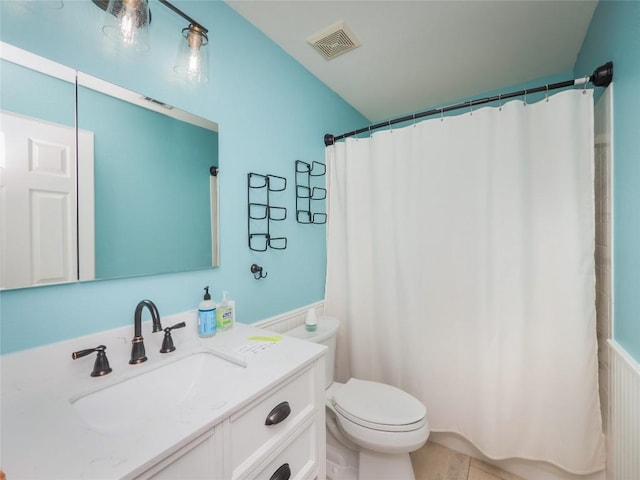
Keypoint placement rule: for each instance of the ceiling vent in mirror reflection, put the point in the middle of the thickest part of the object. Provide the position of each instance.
(334, 40)
(157, 102)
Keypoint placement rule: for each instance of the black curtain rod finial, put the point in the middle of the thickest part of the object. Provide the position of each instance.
(603, 75)
(328, 140)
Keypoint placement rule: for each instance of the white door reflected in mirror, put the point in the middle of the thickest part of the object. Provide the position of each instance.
(39, 201)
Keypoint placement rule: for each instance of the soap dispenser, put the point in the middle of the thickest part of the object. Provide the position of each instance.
(207, 316)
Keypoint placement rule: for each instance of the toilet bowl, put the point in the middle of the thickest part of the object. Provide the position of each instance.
(381, 423)
(379, 417)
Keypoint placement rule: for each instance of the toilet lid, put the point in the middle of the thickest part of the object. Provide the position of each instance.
(377, 404)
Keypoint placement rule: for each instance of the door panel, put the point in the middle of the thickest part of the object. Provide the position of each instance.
(38, 202)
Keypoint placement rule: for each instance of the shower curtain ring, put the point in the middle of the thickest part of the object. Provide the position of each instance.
(525, 97)
(499, 102)
(546, 93)
(414, 120)
(442, 114)
(584, 87)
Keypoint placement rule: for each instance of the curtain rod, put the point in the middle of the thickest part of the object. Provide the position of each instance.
(601, 77)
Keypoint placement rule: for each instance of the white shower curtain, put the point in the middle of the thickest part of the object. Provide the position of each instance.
(460, 262)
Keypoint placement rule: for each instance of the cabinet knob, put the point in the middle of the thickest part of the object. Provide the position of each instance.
(282, 473)
(278, 414)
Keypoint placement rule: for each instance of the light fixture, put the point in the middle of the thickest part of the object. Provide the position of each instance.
(192, 61)
(127, 22)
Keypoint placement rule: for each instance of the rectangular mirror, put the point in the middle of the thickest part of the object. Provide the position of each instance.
(152, 181)
(127, 190)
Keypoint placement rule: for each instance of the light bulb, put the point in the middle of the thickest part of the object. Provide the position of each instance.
(127, 22)
(192, 61)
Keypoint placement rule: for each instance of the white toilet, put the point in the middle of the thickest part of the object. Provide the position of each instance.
(376, 425)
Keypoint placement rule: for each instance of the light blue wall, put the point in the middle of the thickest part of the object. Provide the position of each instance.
(270, 110)
(36, 95)
(614, 34)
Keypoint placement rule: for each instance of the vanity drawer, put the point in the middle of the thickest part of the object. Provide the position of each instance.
(286, 407)
(296, 462)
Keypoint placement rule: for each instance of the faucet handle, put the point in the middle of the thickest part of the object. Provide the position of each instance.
(101, 366)
(167, 342)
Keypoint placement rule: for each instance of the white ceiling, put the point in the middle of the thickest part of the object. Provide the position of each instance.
(420, 54)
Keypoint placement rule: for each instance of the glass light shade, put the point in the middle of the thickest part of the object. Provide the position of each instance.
(127, 23)
(192, 61)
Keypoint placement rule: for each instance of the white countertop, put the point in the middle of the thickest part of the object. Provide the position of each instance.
(44, 437)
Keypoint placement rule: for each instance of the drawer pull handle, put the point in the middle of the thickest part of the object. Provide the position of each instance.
(278, 414)
(282, 473)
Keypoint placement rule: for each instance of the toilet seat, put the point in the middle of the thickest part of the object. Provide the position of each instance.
(378, 406)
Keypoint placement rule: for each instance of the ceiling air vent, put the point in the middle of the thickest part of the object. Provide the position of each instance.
(334, 40)
(157, 102)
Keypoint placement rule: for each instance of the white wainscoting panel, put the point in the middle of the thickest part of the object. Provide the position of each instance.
(291, 319)
(624, 390)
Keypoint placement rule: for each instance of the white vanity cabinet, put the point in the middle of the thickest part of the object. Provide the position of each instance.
(278, 429)
(197, 460)
(242, 405)
(278, 436)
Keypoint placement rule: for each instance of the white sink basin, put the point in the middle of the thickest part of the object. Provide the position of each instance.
(125, 404)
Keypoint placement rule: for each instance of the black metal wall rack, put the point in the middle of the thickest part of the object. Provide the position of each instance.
(306, 194)
(260, 212)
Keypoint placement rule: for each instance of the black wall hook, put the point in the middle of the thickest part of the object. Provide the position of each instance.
(257, 271)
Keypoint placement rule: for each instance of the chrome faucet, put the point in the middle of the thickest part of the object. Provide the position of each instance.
(138, 355)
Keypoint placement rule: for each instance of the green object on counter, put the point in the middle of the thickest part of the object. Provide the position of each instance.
(259, 338)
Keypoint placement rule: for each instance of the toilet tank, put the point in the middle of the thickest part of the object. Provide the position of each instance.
(326, 334)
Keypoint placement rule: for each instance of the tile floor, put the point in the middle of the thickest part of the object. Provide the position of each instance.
(435, 462)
